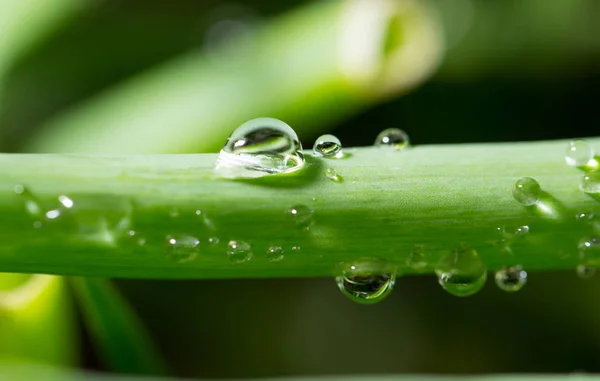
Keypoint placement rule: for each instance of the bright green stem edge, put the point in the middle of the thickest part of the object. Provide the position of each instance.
(431, 199)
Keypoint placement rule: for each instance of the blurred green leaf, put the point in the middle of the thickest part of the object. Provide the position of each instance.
(119, 335)
(36, 319)
(313, 66)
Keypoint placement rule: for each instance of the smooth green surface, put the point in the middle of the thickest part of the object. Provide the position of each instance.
(22, 371)
(389, 201)
(335, 66)
(25, 22)
(120, 337)
(36, 320)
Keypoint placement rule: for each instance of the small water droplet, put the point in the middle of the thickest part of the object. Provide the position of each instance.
(461, 272)
(295, 248)
(418, 258)
(275, 254)
(511, 279)
(585, 271)
(333, 175)
(590, 183)
(260, 147)
(328, 146)
(393, 138)
(32, 204)
(135, 237)
(37, 224)
(239, 251)
(584, 216)
(213, 240)
(65, 201)
(301, 215)
(366, 281)
(183, 248)
(53, 214)
(527, 191)
(579, 153)
(522, 230)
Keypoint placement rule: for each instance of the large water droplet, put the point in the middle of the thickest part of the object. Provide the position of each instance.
(511, 279)
(461, 272)
(328, 146)
(301, 215)
(585, 271)
(590, 183)
(527, 191)
(393, 138)
(579, 153)
(239, 251)
(366, 281)
(260, 147)
(332, 175)
(182, 249)
(275, 254)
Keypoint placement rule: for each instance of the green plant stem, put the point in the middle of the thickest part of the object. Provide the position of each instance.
(388, 202)
(310, 67)
(121, 338)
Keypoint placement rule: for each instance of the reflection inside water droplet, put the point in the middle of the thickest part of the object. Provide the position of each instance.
(301, 215)
(590, 183)
(392, 138)
(527, 191)
(328, 146)
(181, 249)
(461, 272)
(260, 147)
(585, 271)
(239, 251)
(579, 153)
(275, 254)
(511, 279)
(366, 281)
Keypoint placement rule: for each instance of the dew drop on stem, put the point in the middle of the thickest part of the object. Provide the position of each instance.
(393, 138)
(328, 146)
(366, 281)
(511, 279)
(527, 191)
(260, 147)
(461, 272)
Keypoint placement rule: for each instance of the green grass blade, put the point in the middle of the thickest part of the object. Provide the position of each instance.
(26, 371)
(310, 68)
(36, 320)
(119, 335)
(126, 208)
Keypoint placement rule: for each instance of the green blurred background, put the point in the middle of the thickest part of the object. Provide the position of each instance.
(511, 71)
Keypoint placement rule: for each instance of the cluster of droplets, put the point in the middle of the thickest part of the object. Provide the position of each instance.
(580, 154)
